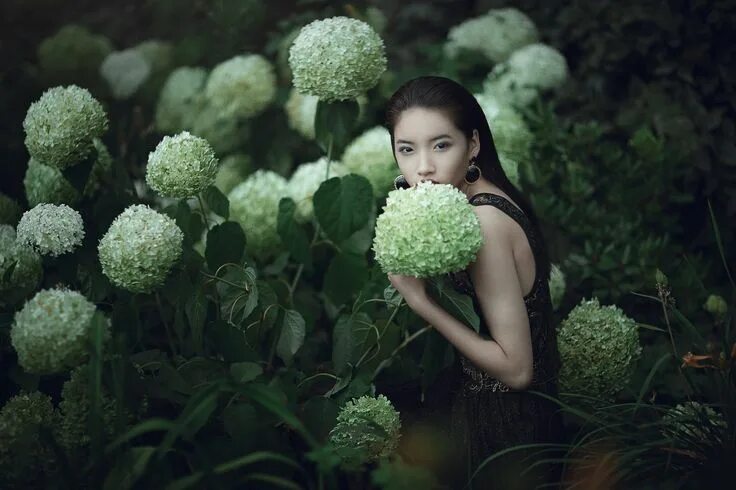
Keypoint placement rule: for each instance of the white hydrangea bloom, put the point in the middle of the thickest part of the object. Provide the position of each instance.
(181, 166)
(556, 285)
(177, 104)
(300, 111)
(125, 71)
(426, 230)
(494, 35)
(511, 134)
(254, 204)
(337, 58)
(52, 330)
(140, 248)
(224, 133)
(528, 72)
(371, 156)
(233, 170)
(242, 86)
(305, 181)
(51, 229)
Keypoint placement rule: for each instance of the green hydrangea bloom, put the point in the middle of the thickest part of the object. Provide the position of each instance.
(305, 181)
(73, 55)
(599, 348)
(176, 109)
(426, 230)
(337, 58)
(62, 124)
(10, 210)
(125, 71)
(181, 166)
(254, 204)
(51, 229)
(370, 155)
(367, 429)
(160, 58)
(26, 461)
(140, 248)
(528, 72)
(511, 134)
(495, 35)
(242, 86)
(300, 112)
(224, 133)
(556, 285)
(233, 170)
(716, 306)
(52, 330)
(693, 423)
(26, 267)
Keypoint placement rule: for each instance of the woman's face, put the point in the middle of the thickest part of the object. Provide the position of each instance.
(428, 146)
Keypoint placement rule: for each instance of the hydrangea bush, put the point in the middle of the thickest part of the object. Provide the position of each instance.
(176, 108)
(181, 166)
(426, 230)
(51, 229)
(125, 71)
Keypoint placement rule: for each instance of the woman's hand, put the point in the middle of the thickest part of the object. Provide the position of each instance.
(411, 288)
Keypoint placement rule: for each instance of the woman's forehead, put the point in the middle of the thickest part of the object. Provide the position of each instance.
(421, 123)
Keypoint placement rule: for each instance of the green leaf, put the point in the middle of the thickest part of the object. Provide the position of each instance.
(78, 175)
(225, 244)
(334, 123)
(343, 205)
(191, 224)
(129, 468)
(196, 312)
(348, 337)
(217, 202)
(319, 415)
(292, 335)
(230, 342)
(245, 371)
(460, 303)
(345, 275)
(292, 234)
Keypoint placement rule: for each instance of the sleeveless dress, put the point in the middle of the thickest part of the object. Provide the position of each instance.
(480, 415)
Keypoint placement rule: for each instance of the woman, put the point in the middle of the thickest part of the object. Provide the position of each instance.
(439, 133)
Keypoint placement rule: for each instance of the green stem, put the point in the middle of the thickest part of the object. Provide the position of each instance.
(201, 208)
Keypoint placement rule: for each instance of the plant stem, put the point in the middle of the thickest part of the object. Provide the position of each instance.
(201, 208)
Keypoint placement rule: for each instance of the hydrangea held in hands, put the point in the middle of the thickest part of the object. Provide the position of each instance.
(61, 126)
(181, 166)
(426, 230)
(337, 58)
(51, 229)
(52, 331)
(140, 248)
(358, 437)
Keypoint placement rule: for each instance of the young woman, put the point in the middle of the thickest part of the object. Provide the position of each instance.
(439, 133)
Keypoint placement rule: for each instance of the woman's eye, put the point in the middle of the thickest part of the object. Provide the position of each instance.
(401, 150)
(442, 145)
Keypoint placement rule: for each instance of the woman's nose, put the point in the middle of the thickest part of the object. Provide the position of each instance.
(425, 165)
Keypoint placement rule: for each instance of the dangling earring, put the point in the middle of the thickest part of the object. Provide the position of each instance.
(400, 182)
(473, 173)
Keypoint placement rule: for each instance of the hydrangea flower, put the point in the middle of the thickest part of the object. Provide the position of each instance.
(26, 460)
(556, 285)
(177, 104)
(370, 155)
(51, 229)
(305, 181)
(224, 133)
(356, 434)
(233, 170)
(10, 210)
(337, 58)
(494, 35)
(52, 330)
(716, 306)
(140, 248)
(254, 204)
(599, 347)
(694, 423)
(528, 72)
(511, 134)
(26, 264)
(125, 71)
(62, 124)
(426, 230)
(301, 110)
(181, 166)
(242, 86)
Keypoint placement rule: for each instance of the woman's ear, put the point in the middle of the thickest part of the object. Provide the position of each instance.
(475, 142)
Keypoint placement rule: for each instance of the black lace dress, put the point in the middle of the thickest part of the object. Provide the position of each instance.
(481, 414)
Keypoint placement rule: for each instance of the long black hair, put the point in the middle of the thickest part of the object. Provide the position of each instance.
(433, 92)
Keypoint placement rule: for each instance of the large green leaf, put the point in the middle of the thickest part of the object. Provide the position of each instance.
(334, 123)
(348, 339)
(345, 275)
(343, 205)
(293, 331)
(292, 234)
(217, 202)
(225, 244)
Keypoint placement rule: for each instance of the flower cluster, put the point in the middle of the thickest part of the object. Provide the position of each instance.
(367, 429)
(694, 423)
(301, 110)
(495, 35)
(52, 330)
(426, 230)
(528, 72)
(254, 204)
(61, 126)
(224, 133)
(176, 106)
(25, 263)
(51, 229)
(233, 170)
(305, 181)
(599, 348)
(337, 58)
(140, 248)
(556, 285)
(125, 71)
(10, 210)
(242, 86)
(181, 166)
(370, 155)
(511, 135)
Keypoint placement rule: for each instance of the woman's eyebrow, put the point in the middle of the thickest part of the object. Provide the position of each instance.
(432, 139)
